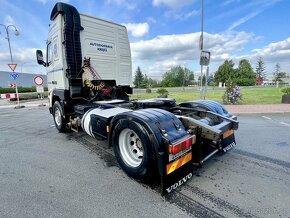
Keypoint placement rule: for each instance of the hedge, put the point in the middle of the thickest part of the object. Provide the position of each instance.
(245, 81)
(20, 89)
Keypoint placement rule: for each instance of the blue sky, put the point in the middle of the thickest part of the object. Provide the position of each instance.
(164, 33)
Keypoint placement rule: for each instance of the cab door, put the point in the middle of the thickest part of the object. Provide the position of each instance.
(50, 66)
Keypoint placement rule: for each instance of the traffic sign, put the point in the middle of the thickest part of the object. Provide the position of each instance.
(40, 89)
(14, 75)
(38, 80)
(12, 66)
(12, 85)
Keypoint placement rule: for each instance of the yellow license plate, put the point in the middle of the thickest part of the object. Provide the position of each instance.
(178, 163)
(228, 133)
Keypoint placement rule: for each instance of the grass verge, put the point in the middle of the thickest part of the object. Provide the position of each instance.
(250, 96)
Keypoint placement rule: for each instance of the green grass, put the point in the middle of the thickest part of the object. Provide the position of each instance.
(20, 89)
(250, 96)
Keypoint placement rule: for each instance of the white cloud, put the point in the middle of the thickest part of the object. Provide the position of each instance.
(185, 46)
(137, 29)
(25, 57)
(8, 20)
(158, 55)
(172, 3)
(274, 47)
(20, 55)
(128, 4)
(181, 16)
(277, 52)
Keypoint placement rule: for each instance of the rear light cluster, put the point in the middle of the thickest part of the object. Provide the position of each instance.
(181, 146)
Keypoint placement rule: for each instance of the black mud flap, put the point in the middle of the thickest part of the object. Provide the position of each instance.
(176, 178)
(228, 143)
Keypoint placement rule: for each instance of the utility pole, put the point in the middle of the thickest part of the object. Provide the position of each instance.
(201, 48)
(204, 58)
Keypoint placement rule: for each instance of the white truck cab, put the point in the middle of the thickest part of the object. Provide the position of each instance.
(86, 55)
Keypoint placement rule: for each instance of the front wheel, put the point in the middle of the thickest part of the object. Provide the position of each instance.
(133, 149)
(59, 121)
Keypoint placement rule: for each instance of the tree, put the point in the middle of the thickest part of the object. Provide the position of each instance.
(224, 72)
(260, 71)
(177, 76)
(149, 83)
(188, 77)
(245, 70)
(145, 82)
(169, 78)
(152, 83)
(278, 74)
(244, 75)
(139, 78)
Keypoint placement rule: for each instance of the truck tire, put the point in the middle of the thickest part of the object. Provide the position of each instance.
(133, 150)
(57, 114)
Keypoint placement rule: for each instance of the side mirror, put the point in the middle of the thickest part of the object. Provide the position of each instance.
(204, 58)
(39, 57)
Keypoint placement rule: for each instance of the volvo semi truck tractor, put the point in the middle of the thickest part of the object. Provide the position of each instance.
(89, 73)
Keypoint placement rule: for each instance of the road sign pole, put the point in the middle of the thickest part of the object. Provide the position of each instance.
(18, 103)
(16, 89)
(201, 81)
(14, 76)
(206, 81)
(38, 81)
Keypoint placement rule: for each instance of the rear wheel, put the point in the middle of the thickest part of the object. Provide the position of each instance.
(57, 113)
(133, 149)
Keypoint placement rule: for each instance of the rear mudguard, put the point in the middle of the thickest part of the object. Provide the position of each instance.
(162, 128)
(207, 105)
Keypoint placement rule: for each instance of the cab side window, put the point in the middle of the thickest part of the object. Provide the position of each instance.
(49, 53)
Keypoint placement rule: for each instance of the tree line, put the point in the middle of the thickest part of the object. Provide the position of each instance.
(175, 77)
(243, 75)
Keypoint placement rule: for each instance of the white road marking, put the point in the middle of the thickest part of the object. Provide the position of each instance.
(268, 118)
(5, 115)
(285, 124)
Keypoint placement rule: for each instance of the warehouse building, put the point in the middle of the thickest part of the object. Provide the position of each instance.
(24, 79)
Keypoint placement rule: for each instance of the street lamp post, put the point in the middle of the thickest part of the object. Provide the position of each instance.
(16, 32)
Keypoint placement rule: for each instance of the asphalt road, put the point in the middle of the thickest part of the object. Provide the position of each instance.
(47, 174)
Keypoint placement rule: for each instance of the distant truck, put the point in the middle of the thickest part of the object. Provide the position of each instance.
(89, 73)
